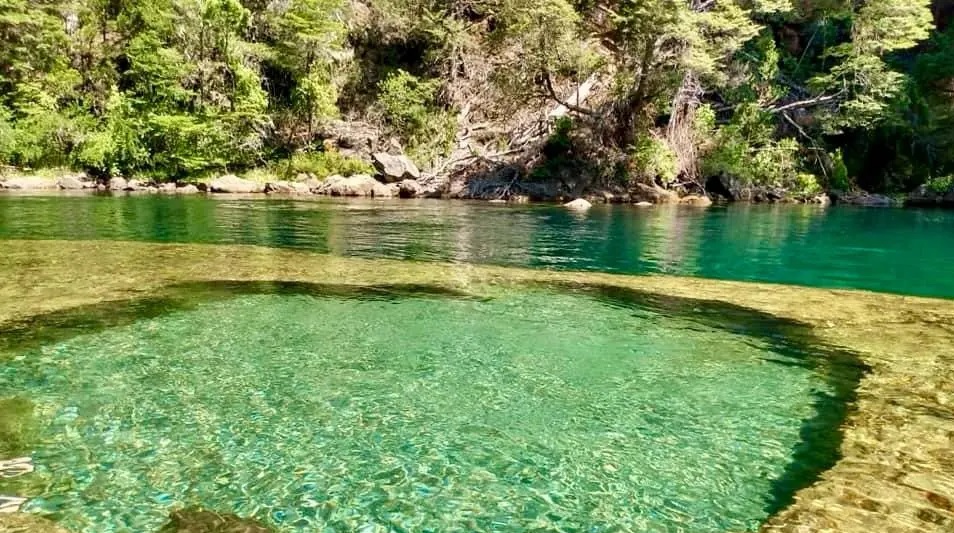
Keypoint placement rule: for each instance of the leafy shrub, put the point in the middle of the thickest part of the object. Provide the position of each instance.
(410, 107)
(838, 180)
(941, 185)
(651, 159)
(323, 164)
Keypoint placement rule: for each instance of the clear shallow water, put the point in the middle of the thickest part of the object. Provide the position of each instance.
(317, 410)
(889, 250)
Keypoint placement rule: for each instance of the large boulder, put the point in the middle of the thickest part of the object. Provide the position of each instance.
(409, 189)
(696, 200)
(279, 187)
(392, 168)
(578, 205)
(30, 183)
(234, 184)
(187, 189)
(74, 182)
(654, 194)
(358, 185)
(134, 185)
(386, 190)
(117, 184)
(431, 186)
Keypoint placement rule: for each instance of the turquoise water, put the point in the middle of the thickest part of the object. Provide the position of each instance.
(317, 409)
(890, 250)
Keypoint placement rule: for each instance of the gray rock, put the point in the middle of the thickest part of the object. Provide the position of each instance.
(863, 199)
(73, 182)
(117, 184)
(359, 185)
(279, 187)
(300, 188)
(133, 185)
(654, 194)
(393, 168)
(30, 183)
(167, 188)
(187, 189)
(578, 205)
(409, 189)
(234, 184)
(431, 186)
(696, 201)
(386, 190)
(313, 184)
(821, 199)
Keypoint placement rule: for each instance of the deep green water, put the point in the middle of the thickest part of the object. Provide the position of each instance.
(314, 408)
(889, 250)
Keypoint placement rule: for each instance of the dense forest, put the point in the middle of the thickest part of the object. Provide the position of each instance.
(801, 95)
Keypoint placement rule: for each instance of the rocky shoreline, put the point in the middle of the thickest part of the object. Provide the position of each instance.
(397, 177)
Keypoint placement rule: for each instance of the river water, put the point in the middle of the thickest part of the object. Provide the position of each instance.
(888, 250)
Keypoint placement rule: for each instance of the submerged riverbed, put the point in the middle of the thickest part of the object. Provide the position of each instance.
(323, 391)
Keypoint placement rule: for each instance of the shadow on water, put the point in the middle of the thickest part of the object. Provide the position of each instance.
(795, 343)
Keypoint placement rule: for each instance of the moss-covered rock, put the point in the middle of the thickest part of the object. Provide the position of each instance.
(27, 523)
(17, 426)
(200, 521)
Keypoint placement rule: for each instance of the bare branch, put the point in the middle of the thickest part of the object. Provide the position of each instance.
(548, 84)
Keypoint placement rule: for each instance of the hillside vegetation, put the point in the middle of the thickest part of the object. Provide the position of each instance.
(694, 95)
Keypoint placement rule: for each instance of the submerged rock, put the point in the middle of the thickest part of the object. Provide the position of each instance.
(643, 204)
(393, 168)
(16, 467)
(579, 204)
(18, 426)
(199, 521)
(30, 183)
(231, 183)
(13, 522)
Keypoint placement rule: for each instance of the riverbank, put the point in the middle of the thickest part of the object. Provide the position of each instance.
(894, 471)
(400, 180)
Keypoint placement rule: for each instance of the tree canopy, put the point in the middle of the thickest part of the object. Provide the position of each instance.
(804, 94)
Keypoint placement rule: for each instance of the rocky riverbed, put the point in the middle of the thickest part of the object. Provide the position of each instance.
(894, 472)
